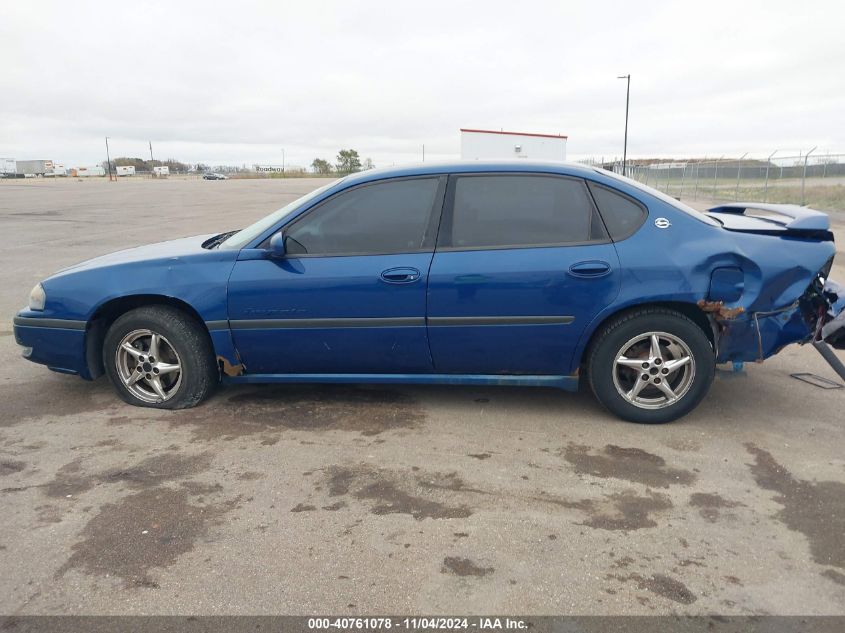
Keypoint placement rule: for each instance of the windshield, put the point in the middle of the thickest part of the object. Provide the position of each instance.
(245, 236)
(698, 215)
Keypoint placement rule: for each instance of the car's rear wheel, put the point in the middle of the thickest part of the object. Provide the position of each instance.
(159, 357)
(651, 366)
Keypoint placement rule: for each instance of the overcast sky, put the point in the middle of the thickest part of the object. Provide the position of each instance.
(235, 82)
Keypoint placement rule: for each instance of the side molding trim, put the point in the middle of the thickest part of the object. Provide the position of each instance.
(375, 322)
(64, 324)
(500, 320)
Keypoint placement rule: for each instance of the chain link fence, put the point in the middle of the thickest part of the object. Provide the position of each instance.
(814, 180)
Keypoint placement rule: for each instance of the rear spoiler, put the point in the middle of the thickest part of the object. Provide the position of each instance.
(803, 218)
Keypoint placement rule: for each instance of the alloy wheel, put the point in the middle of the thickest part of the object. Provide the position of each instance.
(149, 366)
(653, 370)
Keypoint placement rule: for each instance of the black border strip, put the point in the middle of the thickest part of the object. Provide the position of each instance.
(63, 324)
(500, 320)
(712, 623)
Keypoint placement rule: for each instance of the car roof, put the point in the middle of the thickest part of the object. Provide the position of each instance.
(470, 166)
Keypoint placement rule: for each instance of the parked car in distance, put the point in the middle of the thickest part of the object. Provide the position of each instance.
(479, 273)
(214, 176)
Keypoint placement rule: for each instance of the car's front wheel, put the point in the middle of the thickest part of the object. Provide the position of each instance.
(651, 366)
(159, 357)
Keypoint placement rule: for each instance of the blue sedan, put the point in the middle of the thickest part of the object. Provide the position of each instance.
(505, 273)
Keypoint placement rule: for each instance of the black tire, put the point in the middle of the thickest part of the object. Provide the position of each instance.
(179, 334)
(693, 383)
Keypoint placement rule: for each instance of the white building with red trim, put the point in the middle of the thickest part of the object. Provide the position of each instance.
(491, 144)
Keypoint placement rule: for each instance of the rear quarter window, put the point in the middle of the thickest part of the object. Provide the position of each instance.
(622, 215)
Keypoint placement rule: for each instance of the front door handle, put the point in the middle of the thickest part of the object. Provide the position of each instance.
(593, 268)
(403, 275)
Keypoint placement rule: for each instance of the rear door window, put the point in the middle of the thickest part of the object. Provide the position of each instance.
(520, 211)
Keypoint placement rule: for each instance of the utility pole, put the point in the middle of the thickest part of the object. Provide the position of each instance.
(151, 152)
(283, 161)
(108, 159)
(423, 152)
(627, 103)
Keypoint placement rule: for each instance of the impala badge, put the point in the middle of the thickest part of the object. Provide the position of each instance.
(662, 223)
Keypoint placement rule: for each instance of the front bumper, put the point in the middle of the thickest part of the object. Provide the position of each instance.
(57, 343)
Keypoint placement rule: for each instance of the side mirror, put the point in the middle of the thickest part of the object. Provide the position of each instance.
(277, 245)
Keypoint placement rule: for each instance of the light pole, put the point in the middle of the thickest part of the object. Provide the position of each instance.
(108, 159)
(283, 161)
(627, 102)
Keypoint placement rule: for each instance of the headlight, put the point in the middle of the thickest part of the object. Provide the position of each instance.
(37, 298)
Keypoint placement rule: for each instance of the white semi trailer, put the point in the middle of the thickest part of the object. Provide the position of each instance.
(24, 168)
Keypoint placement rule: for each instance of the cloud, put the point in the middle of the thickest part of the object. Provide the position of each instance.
(225, 82)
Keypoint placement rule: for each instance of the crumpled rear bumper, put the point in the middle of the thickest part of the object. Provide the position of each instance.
(756, 336)
(833, 331)
(819, 315)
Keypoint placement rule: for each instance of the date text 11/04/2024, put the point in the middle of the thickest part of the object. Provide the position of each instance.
(419, 623)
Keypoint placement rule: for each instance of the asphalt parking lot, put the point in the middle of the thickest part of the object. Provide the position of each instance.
(365, 500)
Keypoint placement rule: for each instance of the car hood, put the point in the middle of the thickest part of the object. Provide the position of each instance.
(172, 249)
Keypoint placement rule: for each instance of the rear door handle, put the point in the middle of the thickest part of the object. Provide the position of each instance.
(592, 268)
(400, 275)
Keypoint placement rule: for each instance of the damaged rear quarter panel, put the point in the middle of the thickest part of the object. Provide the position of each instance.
(676, 265)
(779, 271)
